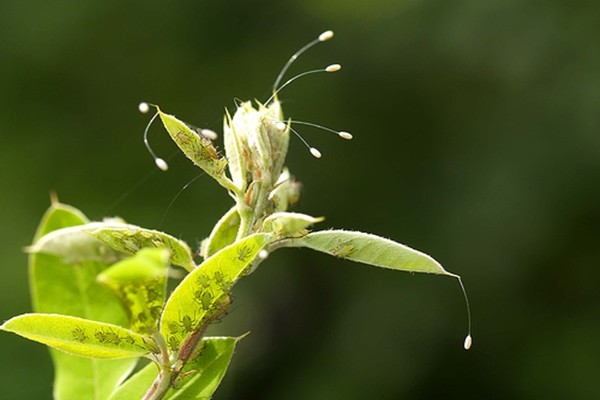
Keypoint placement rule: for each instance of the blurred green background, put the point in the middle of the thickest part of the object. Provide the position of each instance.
(477, 140)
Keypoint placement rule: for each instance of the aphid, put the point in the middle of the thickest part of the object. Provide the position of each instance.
(155, 312)
(344, 249)
(100, 335)
(142, 317)
(129, 339)
(112, 337)
(203, 280)
(243, 253)
(221, 308)
(173, 327)
(79, 334)
(219, 278)
(152, 294)
(187, 323)
(204, 298)
(173, 342)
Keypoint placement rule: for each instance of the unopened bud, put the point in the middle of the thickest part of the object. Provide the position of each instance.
(333, 68)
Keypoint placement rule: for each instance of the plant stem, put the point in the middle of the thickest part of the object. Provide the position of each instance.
(161, 384)
(246, 219)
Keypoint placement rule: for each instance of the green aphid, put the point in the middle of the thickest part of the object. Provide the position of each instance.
(219, 278)
(112, 337)
(152, 294)
(187, 323)
(79, 334)
(204, 298)
(101, 336)
(344, 249)
(173, 327)
(155, 312)
(203, 280)
(173, 342)
(243, 253)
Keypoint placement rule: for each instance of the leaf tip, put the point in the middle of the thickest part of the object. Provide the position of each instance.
(54, 198)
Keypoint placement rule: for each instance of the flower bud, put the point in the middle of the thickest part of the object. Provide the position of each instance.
(256, 142)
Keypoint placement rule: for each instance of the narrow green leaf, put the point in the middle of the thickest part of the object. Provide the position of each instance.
(130, 239)
(205, 291)
(80, 336)
(289, 224)
(202, 375)
(234, 152)
(198, 149)
(71, 288)
(223, 234)
(279, 196)
(140, 282)
(369, 249)
(280, 139)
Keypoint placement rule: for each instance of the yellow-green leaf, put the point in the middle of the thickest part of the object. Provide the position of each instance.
(80, 336)
(223, 234)
(195, 147)
(71, 288)
(370, 249)
(205, 291)
(130, 239)
(140, 282)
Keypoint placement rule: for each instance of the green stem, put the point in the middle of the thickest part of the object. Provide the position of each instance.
(161, 384)
(246, 219)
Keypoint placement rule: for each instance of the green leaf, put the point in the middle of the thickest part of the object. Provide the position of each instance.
(369, 249)
(201, 296)
(140, 282)
(279, 196)
(137, 385)
(206, 371)
(59, 216)
(289, 224)
(80, 336)
(204, 374)
(71, 288)
(195, 147)
(234, 152)
(223, 234)
(130, 239)
(74, 245)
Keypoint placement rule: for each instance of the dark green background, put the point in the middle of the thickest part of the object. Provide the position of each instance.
(477, 140)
